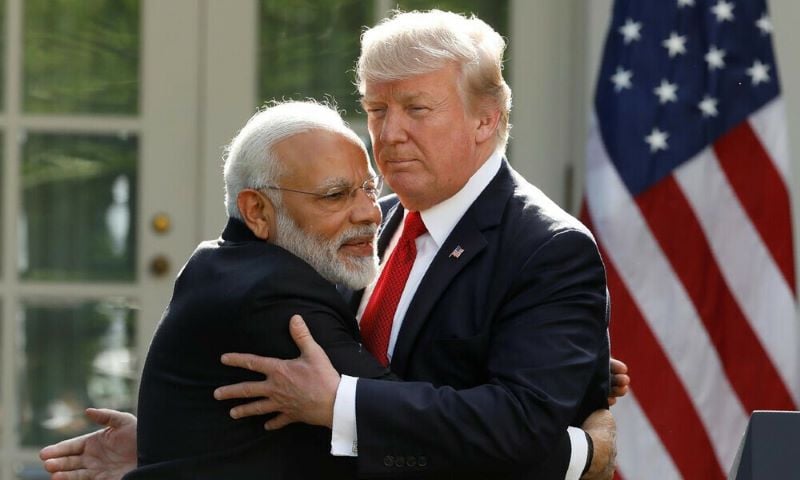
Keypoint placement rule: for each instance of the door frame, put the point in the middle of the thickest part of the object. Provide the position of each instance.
(168, 127)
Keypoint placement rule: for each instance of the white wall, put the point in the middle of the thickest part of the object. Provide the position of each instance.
(547, 48)
(228, 97)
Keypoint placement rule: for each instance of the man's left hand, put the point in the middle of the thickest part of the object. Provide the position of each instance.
(299, 390)
(620, 381)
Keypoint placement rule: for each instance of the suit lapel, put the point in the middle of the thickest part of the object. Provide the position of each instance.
(446, 265)
(463, 245)
(394, 218)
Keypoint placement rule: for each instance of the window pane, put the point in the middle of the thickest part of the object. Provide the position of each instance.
(72, 355)
(81, 56)
(309, 48)
(78, 208)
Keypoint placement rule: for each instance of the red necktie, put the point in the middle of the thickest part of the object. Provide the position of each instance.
(376, 321)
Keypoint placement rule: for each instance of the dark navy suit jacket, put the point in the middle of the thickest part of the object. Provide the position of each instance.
(237, 295)
(510, 338)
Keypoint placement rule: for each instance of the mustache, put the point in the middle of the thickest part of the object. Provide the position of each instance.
(359, 231)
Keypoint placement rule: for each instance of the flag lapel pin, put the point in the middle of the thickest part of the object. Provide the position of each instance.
(456, 252)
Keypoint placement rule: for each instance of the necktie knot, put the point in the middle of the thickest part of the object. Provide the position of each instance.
(413, 226)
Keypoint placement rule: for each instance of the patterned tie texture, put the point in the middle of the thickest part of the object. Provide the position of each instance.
(376, 322)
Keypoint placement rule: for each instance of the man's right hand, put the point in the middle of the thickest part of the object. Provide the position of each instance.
(106, 454)
(603, 429)
(302, 389)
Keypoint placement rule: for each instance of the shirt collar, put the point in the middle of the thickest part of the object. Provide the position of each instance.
(441, 219)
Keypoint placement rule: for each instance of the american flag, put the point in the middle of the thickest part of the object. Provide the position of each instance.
(688, 194)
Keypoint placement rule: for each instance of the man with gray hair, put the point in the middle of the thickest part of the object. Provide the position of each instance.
(301, 198)
(496, 305)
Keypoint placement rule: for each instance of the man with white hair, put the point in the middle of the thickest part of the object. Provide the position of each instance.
(500, 317)
(301, 198)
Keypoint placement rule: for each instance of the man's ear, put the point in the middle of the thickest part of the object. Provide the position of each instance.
(488, 119)
(257, 212)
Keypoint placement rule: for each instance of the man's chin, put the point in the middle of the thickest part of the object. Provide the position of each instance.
(361, 269)
(352, 260)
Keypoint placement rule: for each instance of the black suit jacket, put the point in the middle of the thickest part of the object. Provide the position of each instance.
(512, 337)
(237, 295)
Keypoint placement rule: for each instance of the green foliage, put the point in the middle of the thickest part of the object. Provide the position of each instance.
(81, 56)
(308, 49)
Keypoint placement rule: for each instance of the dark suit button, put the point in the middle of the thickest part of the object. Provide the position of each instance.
(411, 461)
(388, 460)
(399, 462)
(422, 461)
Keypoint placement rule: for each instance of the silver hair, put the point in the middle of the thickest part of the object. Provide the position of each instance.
(408, 44)
(250, 160)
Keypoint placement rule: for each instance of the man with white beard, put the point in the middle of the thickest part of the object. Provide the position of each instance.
(301, 200)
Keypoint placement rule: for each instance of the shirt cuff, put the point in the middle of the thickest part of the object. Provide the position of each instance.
(344, 437)
(577, 459)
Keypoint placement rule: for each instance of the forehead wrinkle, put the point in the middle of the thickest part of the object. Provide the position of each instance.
(344, 182)
(410, 96)
(401, 96)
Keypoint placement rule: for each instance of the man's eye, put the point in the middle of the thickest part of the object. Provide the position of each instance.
(335, 196)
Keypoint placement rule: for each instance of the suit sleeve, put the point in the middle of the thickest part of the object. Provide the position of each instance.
(268, 317)
(547, 346)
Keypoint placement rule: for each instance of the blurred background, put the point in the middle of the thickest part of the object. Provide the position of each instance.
(113, 119)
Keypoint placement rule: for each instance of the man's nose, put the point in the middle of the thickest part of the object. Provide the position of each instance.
(393, 127)
(365, 209)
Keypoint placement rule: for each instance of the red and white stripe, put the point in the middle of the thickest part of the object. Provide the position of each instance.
(701, 273)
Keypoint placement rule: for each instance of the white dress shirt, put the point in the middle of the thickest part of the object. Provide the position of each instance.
(440, 220)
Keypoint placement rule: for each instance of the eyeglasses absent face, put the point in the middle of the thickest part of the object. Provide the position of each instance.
(427, 142)
(339, 197)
